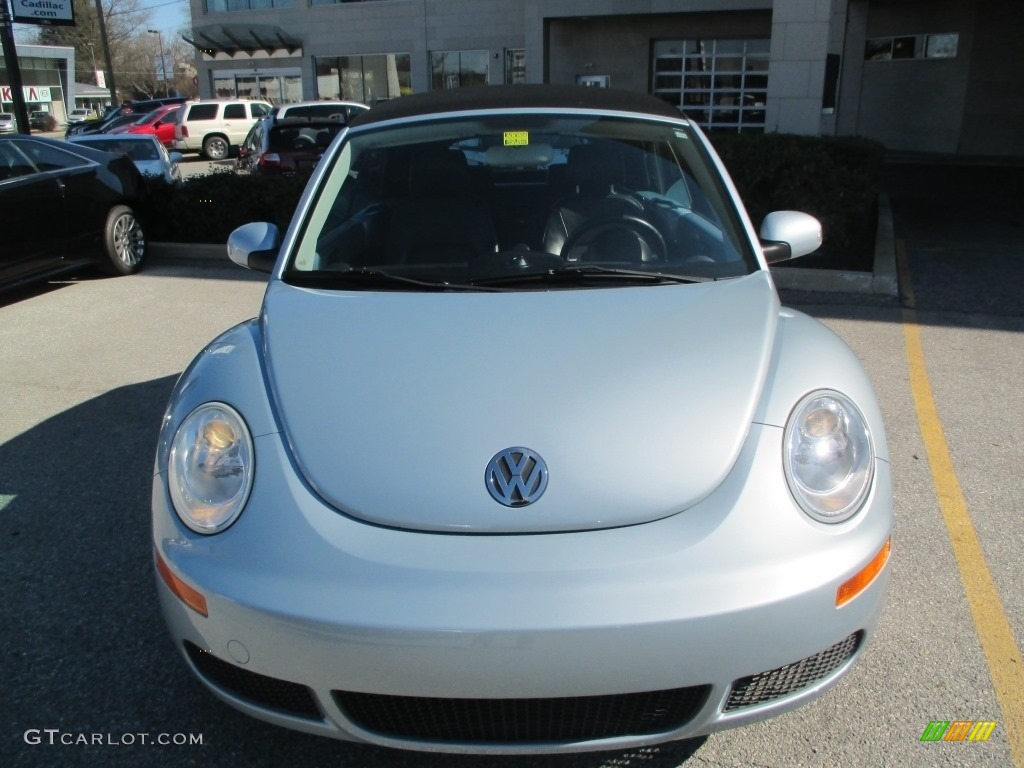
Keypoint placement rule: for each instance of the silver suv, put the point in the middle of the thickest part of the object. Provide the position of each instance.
(213, 126)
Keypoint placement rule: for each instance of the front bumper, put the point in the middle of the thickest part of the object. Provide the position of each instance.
(726, 611)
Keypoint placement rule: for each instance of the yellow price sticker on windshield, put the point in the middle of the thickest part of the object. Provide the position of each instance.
(517, 138)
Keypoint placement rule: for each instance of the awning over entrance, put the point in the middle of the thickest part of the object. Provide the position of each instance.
(243, 38)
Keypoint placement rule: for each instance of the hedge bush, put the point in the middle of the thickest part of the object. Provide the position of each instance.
(835, 179)
(205, 209)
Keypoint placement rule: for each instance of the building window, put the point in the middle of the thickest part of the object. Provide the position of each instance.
(223, 6)
(277, 88)
(515, 66)
(366, 79)
(458, 69)
(720, 84)
(334, 2)
(942, 46)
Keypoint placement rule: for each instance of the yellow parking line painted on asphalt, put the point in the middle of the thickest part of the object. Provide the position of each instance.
(994, 632)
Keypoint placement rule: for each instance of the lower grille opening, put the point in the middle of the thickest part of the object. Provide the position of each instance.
(775, 683)
(261, 690)
(523, 721)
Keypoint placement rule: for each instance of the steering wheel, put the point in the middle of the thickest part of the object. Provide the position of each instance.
(608, 231)
(304, 142)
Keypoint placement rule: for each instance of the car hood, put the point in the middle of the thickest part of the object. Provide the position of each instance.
(638, 399)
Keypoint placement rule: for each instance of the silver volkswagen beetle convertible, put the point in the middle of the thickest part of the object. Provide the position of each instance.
(522, 453)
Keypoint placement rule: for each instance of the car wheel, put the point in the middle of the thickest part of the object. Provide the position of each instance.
(215, 147)
(124, 241)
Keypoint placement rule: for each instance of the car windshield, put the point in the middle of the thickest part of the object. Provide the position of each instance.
(302, 138)
(533, 200)
(150, 117)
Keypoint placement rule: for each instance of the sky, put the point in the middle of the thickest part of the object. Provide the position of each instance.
(168, 15)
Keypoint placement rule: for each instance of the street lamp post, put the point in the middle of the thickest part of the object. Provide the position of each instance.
(92, 54)
(163, 61)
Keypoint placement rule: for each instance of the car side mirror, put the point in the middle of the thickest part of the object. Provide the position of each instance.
(788, 235)
(255, 246)
(175, 157)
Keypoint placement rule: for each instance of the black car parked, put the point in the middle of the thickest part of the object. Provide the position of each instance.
(110, 119)
(63, 206)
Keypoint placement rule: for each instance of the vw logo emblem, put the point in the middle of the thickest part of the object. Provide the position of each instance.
(516, 477)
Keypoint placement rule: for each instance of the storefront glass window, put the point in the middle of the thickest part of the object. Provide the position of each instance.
(292, 89)
(245, 88)
(224, 87)
(327, 83)
(366, 79)
(275, 88)
(458, 69)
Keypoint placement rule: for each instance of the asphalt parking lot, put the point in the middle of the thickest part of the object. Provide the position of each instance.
(87, 364)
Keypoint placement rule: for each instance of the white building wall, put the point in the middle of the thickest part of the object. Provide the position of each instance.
(801, 38)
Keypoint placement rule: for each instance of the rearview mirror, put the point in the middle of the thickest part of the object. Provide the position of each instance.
(255, 246)
(788, 235)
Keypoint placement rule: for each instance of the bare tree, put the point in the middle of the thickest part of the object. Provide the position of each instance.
(123, 18)
(138, 71)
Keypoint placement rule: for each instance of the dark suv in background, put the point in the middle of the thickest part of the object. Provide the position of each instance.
(40, 120)
(110, 119)
(283, 146)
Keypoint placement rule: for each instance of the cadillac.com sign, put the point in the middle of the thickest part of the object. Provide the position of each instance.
(51, 12)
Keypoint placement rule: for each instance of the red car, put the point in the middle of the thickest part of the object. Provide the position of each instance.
(160, 122)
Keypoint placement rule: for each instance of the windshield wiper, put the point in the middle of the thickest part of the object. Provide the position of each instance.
(574, 273)
(375, 278)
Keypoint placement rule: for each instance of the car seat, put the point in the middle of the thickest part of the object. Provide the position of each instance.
(595, 178)
(443, 219)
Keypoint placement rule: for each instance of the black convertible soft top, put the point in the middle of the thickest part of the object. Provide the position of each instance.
(516, 97)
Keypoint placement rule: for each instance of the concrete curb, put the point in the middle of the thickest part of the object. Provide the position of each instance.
(881, 280)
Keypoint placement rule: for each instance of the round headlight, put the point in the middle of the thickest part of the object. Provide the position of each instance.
(828, 457)
(209, 473)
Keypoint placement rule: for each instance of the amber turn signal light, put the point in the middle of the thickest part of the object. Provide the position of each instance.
(852, 587)
(189, 596)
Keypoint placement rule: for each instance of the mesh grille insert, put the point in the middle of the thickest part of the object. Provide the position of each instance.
(523, 721)
(264, 691)
(775, 683)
